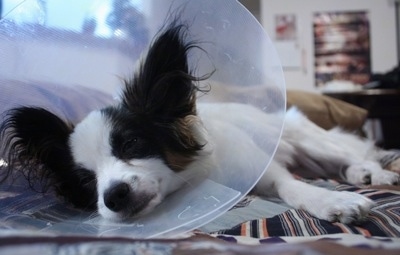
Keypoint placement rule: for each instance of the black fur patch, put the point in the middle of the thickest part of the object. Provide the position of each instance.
(149, 121)
(36, 146)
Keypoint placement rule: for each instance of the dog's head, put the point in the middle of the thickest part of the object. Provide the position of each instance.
(124, 158)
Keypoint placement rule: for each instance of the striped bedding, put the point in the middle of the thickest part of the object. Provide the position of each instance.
(383, 220)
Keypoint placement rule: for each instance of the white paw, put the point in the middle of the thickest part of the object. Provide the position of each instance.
(394, 166)
(370, 173)
(344, 206)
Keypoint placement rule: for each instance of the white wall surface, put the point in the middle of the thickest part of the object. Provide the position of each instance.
(382, 32)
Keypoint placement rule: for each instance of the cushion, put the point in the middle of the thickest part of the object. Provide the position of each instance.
(72, 103)
(327, 112)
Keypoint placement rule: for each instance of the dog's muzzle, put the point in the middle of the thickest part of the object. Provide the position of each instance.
(120, 198)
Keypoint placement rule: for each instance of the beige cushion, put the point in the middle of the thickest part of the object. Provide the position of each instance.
(327, 112)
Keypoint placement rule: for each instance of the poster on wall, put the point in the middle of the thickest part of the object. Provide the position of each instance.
(286, 40)
(342, 47)
(285, 27)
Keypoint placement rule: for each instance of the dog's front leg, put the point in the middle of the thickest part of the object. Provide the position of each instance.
(345, 207)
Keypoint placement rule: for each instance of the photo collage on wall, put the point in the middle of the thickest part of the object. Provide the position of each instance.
(342, 47)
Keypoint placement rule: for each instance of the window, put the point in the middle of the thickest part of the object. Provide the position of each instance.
(102, 17)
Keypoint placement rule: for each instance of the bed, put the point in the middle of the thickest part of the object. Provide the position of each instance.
(256, 225)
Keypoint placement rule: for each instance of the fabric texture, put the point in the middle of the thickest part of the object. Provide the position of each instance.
(383, 220)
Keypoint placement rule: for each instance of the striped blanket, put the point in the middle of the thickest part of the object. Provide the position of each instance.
(383, 220)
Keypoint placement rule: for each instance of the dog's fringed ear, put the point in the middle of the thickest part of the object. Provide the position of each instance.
(35, 144)
(164, 87)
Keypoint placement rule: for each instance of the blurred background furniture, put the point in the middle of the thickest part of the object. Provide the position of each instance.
(381, 104)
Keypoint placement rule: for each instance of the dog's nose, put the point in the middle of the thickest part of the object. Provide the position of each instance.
(116, 198)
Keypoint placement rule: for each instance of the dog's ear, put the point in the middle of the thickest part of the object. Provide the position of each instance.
(35, 143)
(163, 86)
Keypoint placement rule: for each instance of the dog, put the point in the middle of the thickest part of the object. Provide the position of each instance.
(123, 160)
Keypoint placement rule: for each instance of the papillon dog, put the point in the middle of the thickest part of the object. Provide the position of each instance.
(126, 158)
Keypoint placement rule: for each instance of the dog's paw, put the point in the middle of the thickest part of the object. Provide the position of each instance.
(371, 173)
(394, 166)
(345, 207)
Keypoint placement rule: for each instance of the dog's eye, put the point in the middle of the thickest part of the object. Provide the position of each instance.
(129, 144)
(132, 146)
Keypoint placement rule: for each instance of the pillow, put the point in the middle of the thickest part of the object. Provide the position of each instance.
(71, 103)
(327, 112)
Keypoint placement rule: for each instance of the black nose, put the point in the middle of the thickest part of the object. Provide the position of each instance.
(116, 198)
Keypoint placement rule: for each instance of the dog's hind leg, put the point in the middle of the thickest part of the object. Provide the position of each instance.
(325, 204)
(334, 152)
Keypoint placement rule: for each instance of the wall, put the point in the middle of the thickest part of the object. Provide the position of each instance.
(382, 32)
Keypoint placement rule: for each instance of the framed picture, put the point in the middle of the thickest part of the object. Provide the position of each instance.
(285, 27)
(286, 40)
(342, 47)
